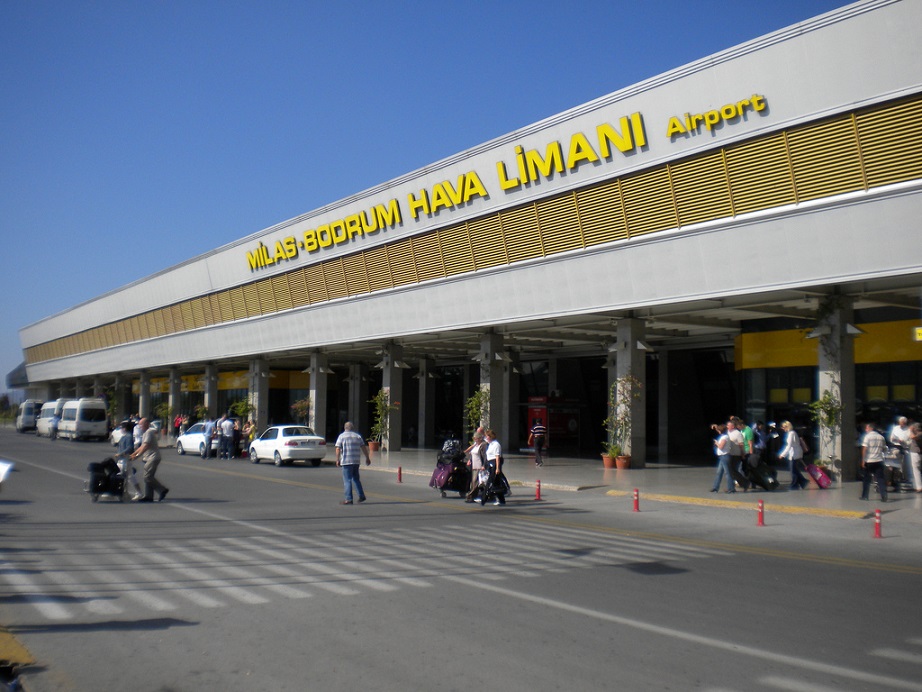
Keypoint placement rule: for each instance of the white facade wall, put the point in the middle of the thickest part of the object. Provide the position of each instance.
(865, 53)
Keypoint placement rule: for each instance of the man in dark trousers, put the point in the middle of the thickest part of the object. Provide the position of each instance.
(537, 437)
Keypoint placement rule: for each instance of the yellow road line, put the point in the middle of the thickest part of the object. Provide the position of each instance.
(748, 505)
(12, 651)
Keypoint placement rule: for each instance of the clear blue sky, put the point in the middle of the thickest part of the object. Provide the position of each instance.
(135, 135)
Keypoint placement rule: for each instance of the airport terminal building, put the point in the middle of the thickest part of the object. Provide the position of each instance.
(738, 234)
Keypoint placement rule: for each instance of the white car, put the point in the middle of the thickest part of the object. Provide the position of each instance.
(285, 444)
(193, 441)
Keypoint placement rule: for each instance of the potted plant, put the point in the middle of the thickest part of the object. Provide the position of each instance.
(382, 415)
(617, 424)
(301, 410)
(827, 413)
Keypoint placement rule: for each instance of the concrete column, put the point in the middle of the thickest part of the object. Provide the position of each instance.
(99, 389)
(175, 396)
(122, 398)
(836, 375)
(392, 383)
(317, 418)
(211, 390)
(662, 413)
(493, 360)
(357, 407)
(144, 396)
(426, 422)
(258, 393)
(632, 360)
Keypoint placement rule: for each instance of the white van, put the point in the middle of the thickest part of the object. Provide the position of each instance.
(50, 409)
(28, 415)
(84, 419)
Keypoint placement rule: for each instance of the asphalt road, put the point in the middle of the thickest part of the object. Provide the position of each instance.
(255, 578)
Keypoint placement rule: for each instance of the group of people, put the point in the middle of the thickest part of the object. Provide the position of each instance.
(141, 441)
(229, 434)
(485, 452)
(734, 443)
(906, 438)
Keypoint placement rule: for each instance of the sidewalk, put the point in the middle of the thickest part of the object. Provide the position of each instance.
(667, 482)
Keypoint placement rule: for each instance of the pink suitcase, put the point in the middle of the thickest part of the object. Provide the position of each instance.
(817, 474)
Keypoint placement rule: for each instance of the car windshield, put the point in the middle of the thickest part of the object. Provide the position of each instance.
(195, 429)
(296, 432)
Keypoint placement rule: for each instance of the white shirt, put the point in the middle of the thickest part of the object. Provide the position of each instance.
(494, 449)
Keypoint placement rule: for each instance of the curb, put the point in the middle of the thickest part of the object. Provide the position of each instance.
(751, 506)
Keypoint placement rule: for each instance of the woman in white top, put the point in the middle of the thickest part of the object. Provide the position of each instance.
(794, 453)
(494, 465)
(476, 450)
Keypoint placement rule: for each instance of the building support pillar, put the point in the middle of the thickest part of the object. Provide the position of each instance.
(632, 361)
(175, 397)
(357, 407)
(426, 420)
(392, 383)
(144, 396)
(836, 377)
(319, 370)
(211, 390)
(494, 384)
(257, 393)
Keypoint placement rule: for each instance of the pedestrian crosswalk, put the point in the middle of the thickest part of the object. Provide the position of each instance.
(65, 581)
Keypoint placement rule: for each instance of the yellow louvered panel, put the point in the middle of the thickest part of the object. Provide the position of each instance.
(163, 323)
(559, 224)
(185, 309)
(98, 335)
(701, 190)
(456, 250)
(225, 309)
(179, 324)
(251, 299)
(825, 160)
(891, 146)
(487, 242)
(401, 262)
(151, 324)
(197, 307)
(266, 294)
(520, 231)
(356, 279)
(297, 286)
(238, 303)
(335, 278)
(760, 174)
(648, 202)
(601, 215)
(282, 292)
(428, 257)
(316, 284)
(379, 273)
(121, 336)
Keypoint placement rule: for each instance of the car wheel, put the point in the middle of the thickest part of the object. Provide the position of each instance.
(315, 462)
(253, 458)
(278, 460)
(179, 450)
(201, 450)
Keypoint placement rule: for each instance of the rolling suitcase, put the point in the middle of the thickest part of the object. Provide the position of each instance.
(817, 474)
(760, 474)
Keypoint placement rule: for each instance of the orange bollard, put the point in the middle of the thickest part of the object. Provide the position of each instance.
(877, 533)
(400, 474)
(636, 500)
(537, 490)
(761, 521)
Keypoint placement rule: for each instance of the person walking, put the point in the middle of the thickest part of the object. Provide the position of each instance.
(475, 462)
(793, 451)
(350, 447)
(722, 447)
(900, 438)
(494, 456)
(123, 454)
(873, 446)
(208, 431)
(736, 444)
(536, 438)
(226, 448)
(915, 455)
(149, 451)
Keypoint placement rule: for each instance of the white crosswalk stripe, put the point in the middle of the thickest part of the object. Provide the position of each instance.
(109, 578)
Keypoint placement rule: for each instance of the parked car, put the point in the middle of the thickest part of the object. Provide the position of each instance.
(285, 444)
(193, 441)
